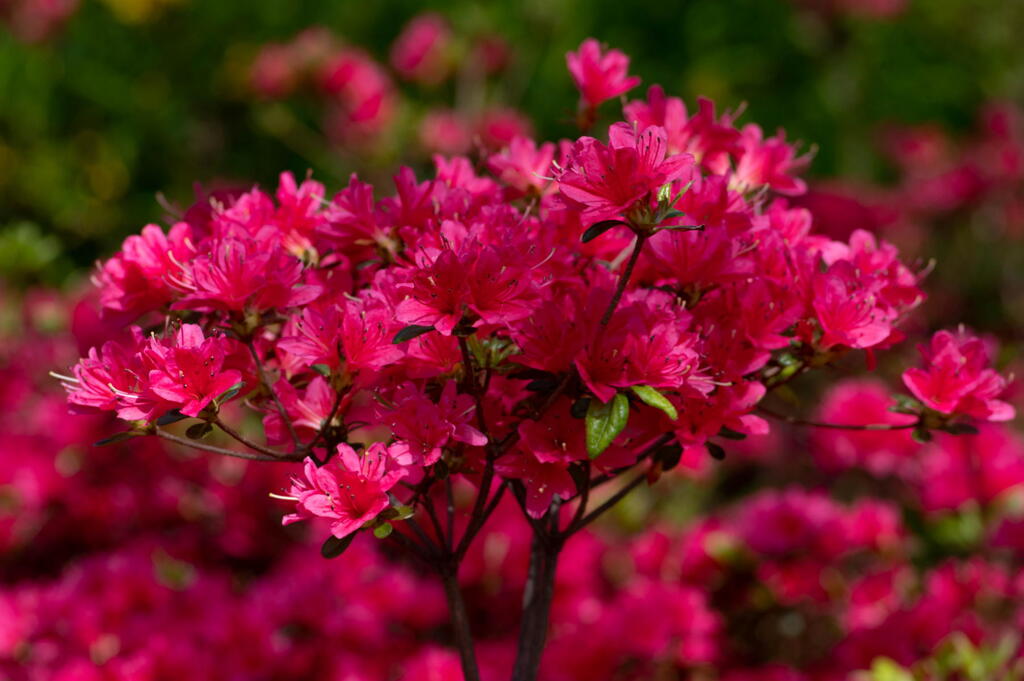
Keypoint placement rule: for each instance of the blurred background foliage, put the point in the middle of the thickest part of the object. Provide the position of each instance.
(123, 102)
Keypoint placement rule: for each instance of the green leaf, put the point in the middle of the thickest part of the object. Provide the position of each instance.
(538, 385)
(605, 420)
(905, 404)
(652, 398)
(173, 416)
(730, 434)
(197, 431)
(403, 512)
(410, 332)
(229, 393)
(598, 228)
(681, 228)
(322, 369)
(383, 531)
(116, 437)
(921, 435)
(334, 547)
(961, 429)
(665, 192)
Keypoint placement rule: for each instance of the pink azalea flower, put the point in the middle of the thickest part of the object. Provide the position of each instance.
(136, 279)
(608, 181)
(768, 162)
(957, 378)
(544, 481)
(424, 427)
(244, 274)
(418, 53)
(190, 369)
(599, 75)
(710, 141)
(846, 303)
(523, 166)
(349, 493)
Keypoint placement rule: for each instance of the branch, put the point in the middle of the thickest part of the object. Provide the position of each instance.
(460, 623)
(581, 506)
(839, 426)
(273, 394)
(611, 501)
(621, 287)
(220, 450)
(250, 444)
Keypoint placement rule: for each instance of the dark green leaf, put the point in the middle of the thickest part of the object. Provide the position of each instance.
(383, 531)
(921, 435)
(961, 429)
(579, 408)
(682, 228)
(410, 332)
(669, 456)
(604, 423)
(652, 398)
(598, 228)
(197, 431)
(541, 384)
(117, 437)
(322, 369)
(173, 416)
(334, 547)
(715, 451)
(730, 434)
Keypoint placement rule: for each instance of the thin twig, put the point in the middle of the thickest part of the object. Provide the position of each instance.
(273, 394)
(611, 501)
(621, 287)
(248, 443)
(584, 497)
(838, 426)
(220, 450)
(450, 510)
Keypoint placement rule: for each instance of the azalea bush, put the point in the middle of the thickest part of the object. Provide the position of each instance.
(533, 337)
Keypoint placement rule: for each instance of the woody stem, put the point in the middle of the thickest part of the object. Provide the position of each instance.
(460, 622)
(219, 450)
(273, 394)
(620, 288)
(838, 426)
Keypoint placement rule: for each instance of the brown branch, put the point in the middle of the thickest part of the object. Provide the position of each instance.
(290, 458)
(839, 426)
(273, 394)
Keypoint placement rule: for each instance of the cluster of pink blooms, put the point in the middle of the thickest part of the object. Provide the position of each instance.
(178, 566)
(363, 99)
(541, 322)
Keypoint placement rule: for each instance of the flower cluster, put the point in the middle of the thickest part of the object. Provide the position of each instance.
(746, 592)
(571, 315)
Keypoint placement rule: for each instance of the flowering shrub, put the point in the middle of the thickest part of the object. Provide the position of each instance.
(548, 337)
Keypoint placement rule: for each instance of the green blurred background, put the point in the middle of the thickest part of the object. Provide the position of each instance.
(128, 99)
